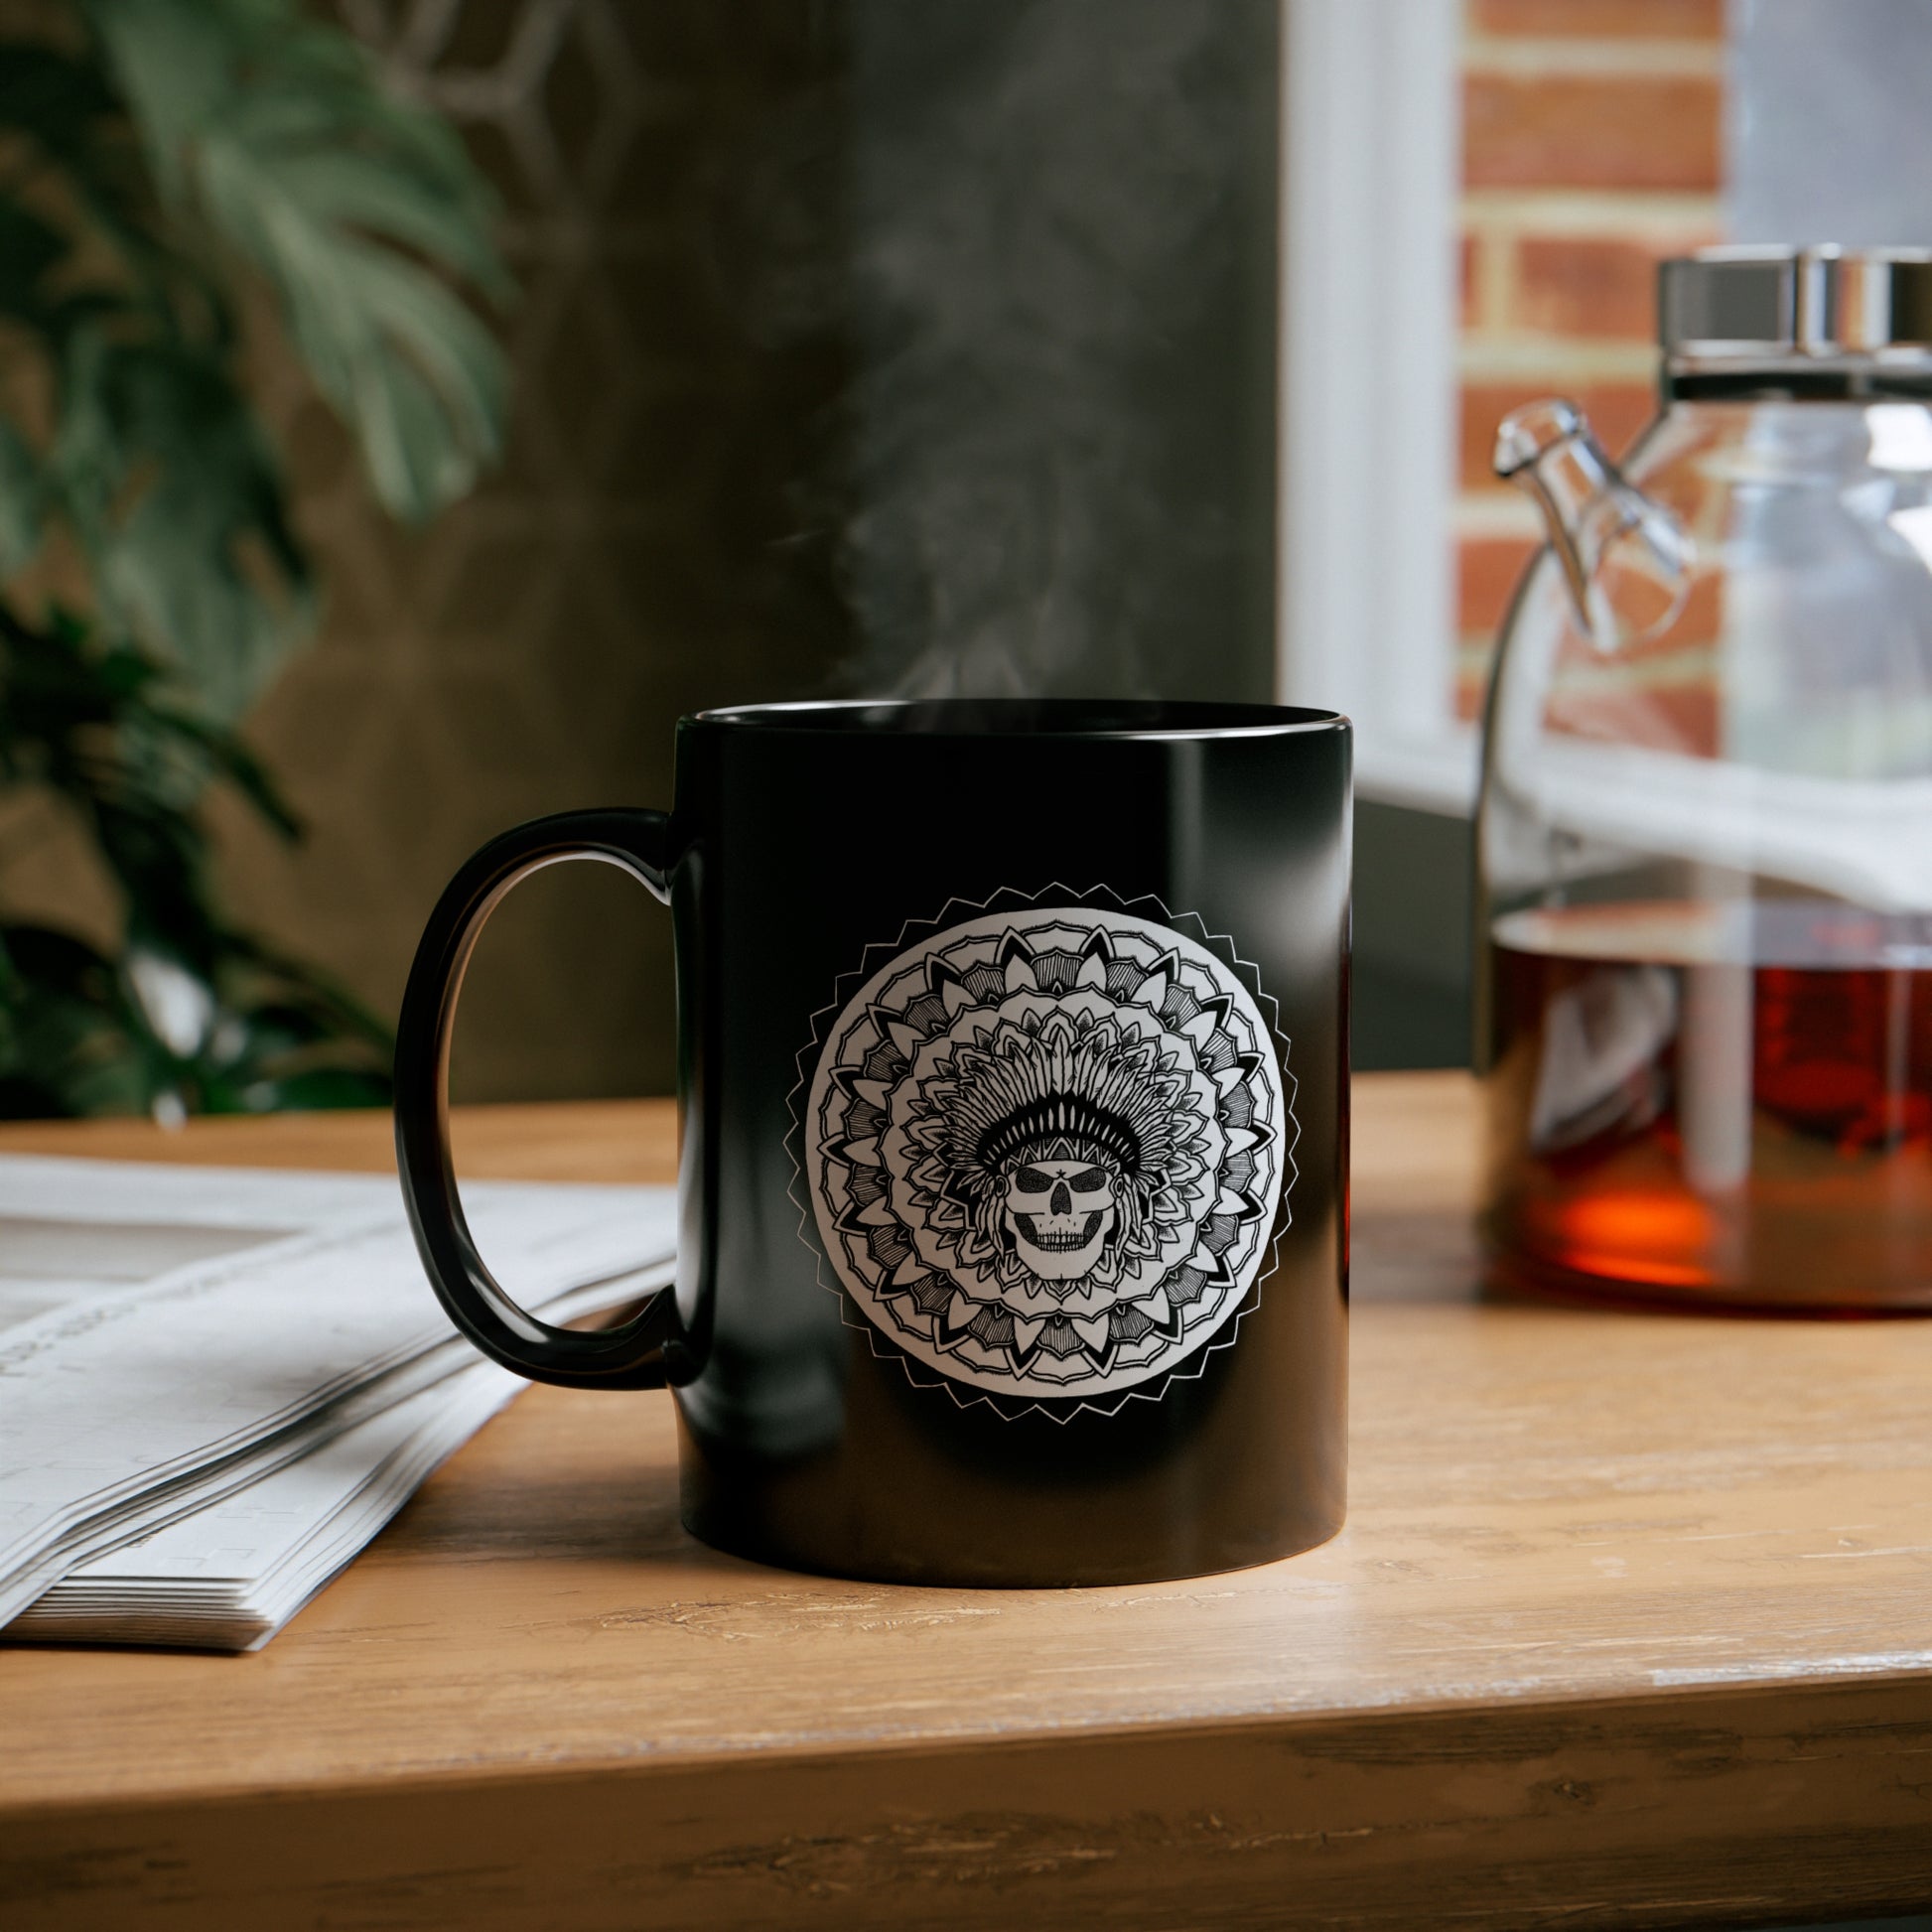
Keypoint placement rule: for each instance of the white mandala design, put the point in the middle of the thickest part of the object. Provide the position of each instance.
(1044, 1146)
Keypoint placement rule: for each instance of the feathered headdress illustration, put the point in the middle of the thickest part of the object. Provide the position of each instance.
(1052, 1086)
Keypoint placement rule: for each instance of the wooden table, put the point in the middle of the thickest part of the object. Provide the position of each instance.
(1631, 1624)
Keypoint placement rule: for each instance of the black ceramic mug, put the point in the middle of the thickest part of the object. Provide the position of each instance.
(1012, 1071)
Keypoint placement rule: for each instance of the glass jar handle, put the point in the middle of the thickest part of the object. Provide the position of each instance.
(1627, 561)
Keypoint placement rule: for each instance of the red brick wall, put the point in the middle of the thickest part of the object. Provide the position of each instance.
(1592, 148)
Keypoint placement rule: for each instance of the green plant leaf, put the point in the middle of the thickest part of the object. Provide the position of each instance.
(142, 164)
(178, 503)
(67, 1046)
(64, 107)
(21, 501)
(53, 97)
(352, 204)
(29, 248)
(228, 758)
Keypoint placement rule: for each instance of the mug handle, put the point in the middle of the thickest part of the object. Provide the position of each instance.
(630, 1356)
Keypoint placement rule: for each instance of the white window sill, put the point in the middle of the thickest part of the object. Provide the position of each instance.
(1433, 773)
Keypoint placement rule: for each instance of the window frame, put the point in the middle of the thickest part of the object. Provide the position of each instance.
(1370, 308)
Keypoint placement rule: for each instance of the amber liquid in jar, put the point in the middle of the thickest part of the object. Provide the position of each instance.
(1714, 1104)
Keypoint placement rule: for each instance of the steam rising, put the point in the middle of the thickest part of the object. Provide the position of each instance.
(1061, 421)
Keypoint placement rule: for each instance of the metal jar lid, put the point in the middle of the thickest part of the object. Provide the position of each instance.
(1775, 304)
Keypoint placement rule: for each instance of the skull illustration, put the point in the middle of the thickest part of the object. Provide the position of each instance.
(1059, 1216)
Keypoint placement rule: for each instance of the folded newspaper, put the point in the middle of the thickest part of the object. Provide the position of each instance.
(215, 1386)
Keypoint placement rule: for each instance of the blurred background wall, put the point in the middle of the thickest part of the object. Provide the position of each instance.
(898, 346)
(861, 346)
(644, 552)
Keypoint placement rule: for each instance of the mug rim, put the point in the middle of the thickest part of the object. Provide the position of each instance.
(1031, 718)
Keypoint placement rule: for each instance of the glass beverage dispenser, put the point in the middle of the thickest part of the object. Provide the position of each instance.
(1705, 829)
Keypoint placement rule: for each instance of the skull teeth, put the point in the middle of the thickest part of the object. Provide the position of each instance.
(1056, 1241)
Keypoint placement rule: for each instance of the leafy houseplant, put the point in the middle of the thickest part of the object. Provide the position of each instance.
(158, 159)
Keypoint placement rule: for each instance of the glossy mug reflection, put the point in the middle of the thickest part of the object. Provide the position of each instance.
(1013, 1108)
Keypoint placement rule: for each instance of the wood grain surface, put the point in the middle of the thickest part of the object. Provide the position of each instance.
(1631, 1625)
